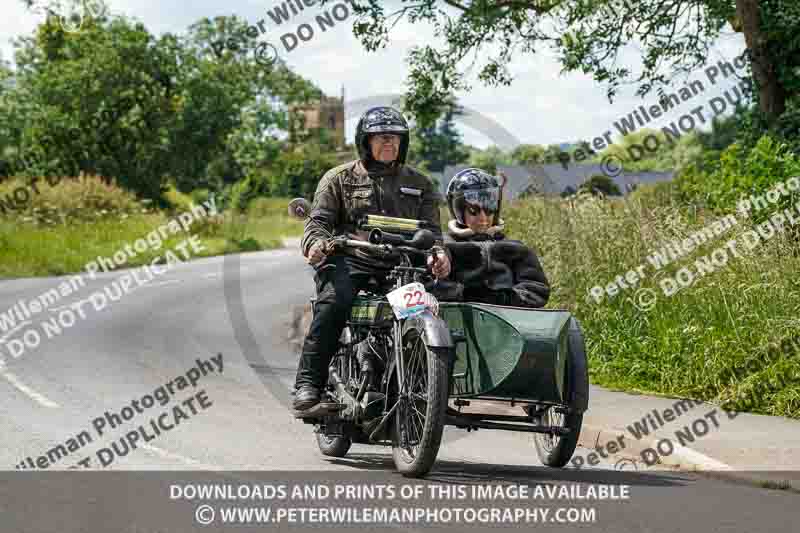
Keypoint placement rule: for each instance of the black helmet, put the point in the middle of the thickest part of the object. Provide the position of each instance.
(475, 187)
(381, 120)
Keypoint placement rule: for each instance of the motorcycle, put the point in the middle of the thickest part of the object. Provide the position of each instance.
(404, 355)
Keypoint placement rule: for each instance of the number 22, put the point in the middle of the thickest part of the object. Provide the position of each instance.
(410, 302)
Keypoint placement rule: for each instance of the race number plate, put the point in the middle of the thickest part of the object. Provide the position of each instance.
(412, 300)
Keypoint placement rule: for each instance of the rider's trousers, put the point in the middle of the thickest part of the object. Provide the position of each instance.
(337, 285)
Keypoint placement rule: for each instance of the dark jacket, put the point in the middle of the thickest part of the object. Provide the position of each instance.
(348, 191)
(489, 268)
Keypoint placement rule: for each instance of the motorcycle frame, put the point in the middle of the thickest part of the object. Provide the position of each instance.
(403, 274)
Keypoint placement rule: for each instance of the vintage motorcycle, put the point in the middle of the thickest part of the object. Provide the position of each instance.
(403, 356)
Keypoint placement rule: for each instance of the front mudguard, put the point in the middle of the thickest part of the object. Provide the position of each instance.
(437, 334)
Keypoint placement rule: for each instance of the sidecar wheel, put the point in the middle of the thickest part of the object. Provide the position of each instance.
(556, 451)
(333, 446)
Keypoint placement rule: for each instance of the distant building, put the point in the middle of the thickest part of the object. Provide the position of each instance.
(324, 114)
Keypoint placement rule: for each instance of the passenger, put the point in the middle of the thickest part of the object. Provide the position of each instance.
(486, 267)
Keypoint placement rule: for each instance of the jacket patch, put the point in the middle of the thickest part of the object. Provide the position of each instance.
(412, 192)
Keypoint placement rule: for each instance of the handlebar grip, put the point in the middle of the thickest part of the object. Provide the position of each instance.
(422, 239)
(377, 236)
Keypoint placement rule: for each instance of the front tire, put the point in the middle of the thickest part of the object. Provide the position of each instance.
(420, 417)
(554, 450)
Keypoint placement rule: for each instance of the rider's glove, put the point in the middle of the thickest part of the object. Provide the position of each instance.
(439, 262)
(508, 297)
(316, 253)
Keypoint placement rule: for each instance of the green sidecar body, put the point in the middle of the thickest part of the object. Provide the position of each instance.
(509, 353)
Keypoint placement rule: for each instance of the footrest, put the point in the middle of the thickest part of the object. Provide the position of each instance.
(320, 410)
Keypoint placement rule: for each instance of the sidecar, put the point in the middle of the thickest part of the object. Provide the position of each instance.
(534, 359)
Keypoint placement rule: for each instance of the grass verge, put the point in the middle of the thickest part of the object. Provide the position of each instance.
(729, 338)
(29, 249)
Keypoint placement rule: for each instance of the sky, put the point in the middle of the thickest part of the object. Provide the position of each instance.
(541, 106)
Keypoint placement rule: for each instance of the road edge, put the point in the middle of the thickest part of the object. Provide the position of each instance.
(683, 459)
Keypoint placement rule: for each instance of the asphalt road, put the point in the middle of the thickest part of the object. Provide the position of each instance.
(240, 307)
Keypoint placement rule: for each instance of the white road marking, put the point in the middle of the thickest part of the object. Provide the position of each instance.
(698, 460)
(177, 457)
(211, 276)
(38, 398)
(19, 326)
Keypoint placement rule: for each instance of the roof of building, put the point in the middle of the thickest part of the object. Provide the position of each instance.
(553, 179)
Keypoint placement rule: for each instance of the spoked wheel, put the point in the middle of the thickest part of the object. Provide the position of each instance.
(333, 446)
(330, 445)
(420, 415)
(557, 450)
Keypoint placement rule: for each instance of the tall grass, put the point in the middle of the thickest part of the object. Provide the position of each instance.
(708, 341)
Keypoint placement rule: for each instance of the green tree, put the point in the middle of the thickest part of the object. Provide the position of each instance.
(489, 159)
(101, 100)
(600, 183)
(581, 152)
(115, 101)
(528, 154)
(554, 154)
(723, 133)
(645, 150)
(9, 128)
(589, 36)
(435, 147)
(293, 172)
(688, 151)
(238, 106)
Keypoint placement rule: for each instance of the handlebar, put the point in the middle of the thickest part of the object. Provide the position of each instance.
(386, 249)
(386, 244)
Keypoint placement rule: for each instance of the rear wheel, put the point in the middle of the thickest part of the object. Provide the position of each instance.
(557, 450)
(420, 415)
(333, 446)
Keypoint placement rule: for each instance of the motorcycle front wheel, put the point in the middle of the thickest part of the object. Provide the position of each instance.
(422, 404)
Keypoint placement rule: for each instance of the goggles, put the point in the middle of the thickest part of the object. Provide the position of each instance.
(386, 128)
(487, 200)
(385, 138)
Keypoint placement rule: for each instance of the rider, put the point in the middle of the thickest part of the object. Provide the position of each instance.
(378, 183)
(488, 267)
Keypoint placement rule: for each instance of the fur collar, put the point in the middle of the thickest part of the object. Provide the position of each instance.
(456, 230)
